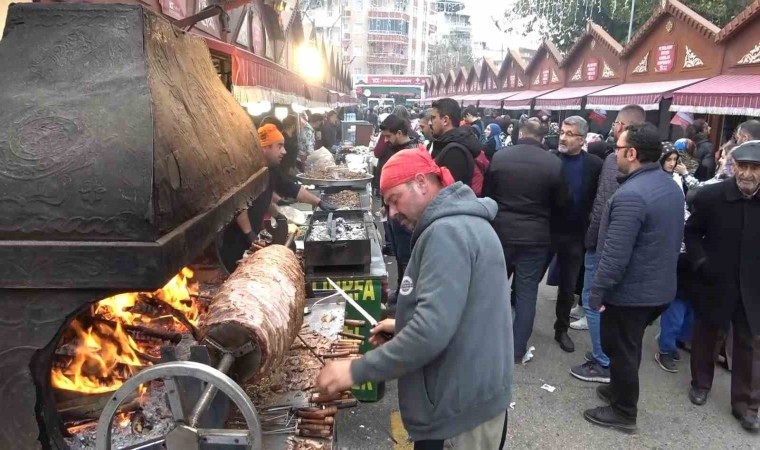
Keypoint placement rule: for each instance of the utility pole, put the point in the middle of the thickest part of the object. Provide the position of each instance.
(630, 23)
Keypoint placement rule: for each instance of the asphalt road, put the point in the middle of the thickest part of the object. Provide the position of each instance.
(540, 419)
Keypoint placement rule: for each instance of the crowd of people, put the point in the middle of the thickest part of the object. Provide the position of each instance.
(631, 228)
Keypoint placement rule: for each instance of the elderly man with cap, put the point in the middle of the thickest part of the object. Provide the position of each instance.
(237, 238)
(723, 243)
(453, 302)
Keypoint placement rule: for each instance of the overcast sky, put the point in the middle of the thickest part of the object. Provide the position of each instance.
(483, 28)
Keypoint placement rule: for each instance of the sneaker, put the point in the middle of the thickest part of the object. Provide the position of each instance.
(605, 416)
(592, 372)
(676, 355)
(580, 324)
(588, 356)
(666, 362)
(577, 312)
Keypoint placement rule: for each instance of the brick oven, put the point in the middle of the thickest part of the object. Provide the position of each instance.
(121, 157)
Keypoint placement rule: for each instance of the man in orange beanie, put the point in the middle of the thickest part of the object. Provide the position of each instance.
(237, 239)
(454, 297)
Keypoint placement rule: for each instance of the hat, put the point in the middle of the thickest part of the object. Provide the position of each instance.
(406, 164)
(681, 145)
(269, 134)
(748, 152)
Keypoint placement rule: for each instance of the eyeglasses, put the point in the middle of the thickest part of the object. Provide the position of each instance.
(618, 122)
(622, 147)
(569, 134)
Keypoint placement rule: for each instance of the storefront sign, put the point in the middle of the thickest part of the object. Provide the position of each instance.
(592, 69)
(173, 8)
(545, 76)
(665, 58)
(398, 80)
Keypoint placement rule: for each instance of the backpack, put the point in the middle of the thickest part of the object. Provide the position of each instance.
(479, 169)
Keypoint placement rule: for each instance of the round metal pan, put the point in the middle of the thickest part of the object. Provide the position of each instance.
(357, 183)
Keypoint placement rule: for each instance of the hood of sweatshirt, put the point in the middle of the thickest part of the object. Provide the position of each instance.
(461, 135)
(455, 200)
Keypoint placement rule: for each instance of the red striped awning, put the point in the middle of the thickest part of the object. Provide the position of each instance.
(471, 99)
(567, 98)
(737, 95)
(646, 95)
(493, 99)
(523, 100)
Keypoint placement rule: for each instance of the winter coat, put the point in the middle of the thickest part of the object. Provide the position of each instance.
(639, 241)
(447, 384)
(704, 153)
(529, 186)
(723, 245)
(592, 167)
(461, 163)
(607, 185)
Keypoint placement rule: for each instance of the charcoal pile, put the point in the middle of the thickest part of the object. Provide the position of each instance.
(344, 231)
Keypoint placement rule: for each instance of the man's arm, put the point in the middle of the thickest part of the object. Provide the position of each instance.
(626, 218)
(244, 222)
(304, 196)
(441, 299)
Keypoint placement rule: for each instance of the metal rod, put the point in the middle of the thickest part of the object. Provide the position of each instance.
(630, 23)
(210, 392)
(311, 349)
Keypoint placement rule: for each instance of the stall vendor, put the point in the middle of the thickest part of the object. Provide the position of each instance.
(239, 236)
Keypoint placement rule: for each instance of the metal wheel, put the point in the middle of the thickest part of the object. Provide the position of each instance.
(185, 436)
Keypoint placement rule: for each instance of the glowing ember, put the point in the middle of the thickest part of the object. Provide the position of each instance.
(106, 354)
(123, 419)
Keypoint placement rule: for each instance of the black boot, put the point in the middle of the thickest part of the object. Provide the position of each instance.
(605, 416)
(565, 343)
(748, 420)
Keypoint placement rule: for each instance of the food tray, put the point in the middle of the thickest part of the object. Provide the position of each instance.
(355, 183)
(354, 252)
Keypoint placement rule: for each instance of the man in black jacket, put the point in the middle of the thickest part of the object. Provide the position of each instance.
(581, 170)
(330, 132)
(723, 244)
(529, 187)
(454, 148)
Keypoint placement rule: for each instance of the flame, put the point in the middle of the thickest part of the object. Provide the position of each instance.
(106, 354)
(124, 419)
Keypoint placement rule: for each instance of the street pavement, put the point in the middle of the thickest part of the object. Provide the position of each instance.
(544, 420)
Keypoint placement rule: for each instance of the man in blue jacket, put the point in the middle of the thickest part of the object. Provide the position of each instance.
(639, 241)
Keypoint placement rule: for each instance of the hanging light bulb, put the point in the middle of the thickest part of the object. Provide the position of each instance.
(281, 112)
(264, 106)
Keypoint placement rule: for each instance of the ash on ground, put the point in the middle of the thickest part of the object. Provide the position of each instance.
(152, 420)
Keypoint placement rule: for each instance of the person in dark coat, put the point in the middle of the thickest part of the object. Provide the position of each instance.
(529, 187)
(723, 245)
(699, 132)
(598, 368)
(454, 147)
(639, 241)
(330, 133)
(581, 170)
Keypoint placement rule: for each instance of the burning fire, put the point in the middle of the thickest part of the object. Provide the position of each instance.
(105, 353)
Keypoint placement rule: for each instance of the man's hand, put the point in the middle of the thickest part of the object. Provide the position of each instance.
(335, 377)
(386, 326)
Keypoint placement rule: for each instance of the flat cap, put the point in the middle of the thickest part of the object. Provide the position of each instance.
(748, 152)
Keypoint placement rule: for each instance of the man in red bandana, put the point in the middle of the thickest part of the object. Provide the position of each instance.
(453, 300)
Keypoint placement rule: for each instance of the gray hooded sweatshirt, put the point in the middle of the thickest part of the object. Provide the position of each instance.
(452, 352)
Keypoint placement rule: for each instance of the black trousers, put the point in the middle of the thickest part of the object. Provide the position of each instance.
(622, 335)
(570, 251)
(745, 371)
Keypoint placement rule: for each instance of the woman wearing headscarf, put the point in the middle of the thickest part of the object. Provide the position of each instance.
(493, 140)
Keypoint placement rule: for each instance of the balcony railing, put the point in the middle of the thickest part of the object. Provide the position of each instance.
(395, 60)
(375, 36)
(375, 14)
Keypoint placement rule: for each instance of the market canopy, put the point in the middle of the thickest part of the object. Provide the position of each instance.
(493, 99)
(522, 100)
(566, 98)
(646, 95)
(725, 94)
(471, 99)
